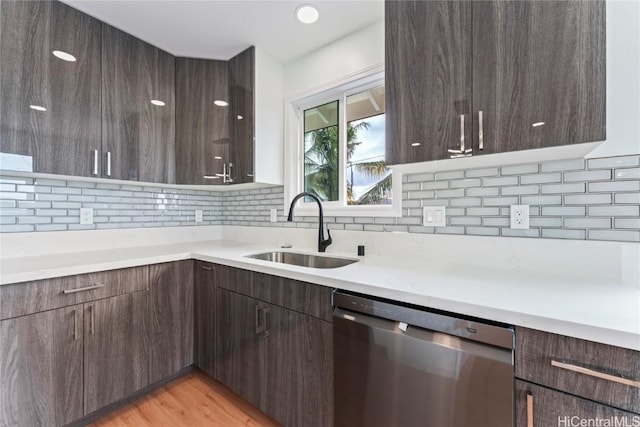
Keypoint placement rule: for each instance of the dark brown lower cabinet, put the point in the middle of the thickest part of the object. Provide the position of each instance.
(41, 368)
(278, 359)
(239, 347)
(171, 318)
(204, 292)
(116, 350)
(538, 406)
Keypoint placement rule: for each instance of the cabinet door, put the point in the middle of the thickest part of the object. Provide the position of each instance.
(241, 106)
(138, 136)
(171, 319)
(542, 407)
(116, 351)
(298, 369)
(62, 139)
(41, 368)
(428, 79)
(202, 127)
(205, 318)
(239, 361)
(539, 73)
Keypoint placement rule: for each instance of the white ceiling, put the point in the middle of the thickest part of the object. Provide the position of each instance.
(219, 29)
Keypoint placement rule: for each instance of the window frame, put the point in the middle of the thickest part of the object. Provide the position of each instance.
(337, 90)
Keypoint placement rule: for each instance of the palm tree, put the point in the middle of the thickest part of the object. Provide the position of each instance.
(321, 166)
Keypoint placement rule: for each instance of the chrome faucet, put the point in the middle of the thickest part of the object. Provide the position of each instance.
(322, 244)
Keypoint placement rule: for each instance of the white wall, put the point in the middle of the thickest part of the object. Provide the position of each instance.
(623, 80)
(269, 120)
(350, 55)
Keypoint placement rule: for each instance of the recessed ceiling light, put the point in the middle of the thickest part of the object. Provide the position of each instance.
(64, 56)
(37, 108)
(415, 144)
(307, 14)
(537, 124)
(220, 103)
(158, 102)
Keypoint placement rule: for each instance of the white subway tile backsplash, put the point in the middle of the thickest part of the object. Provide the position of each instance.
(562, 165)
(617, 235)
(477, 202)
(563, 188)
(614, 210)
(633, 173)
(614, 162)
(595, 175)
(614, 186)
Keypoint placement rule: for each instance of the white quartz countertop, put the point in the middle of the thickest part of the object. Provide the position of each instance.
(594, 309)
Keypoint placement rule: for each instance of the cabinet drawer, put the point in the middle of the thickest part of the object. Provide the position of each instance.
(554, 408)
(308, 298)
(24, 298)
(599, 372)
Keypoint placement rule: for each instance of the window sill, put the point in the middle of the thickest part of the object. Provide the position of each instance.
(309, 209)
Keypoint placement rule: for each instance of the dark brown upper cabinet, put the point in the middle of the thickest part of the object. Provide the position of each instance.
(214, 141)
(49, 107)
(470, 78)
(241, 123)
(202, 126)
(138, 109)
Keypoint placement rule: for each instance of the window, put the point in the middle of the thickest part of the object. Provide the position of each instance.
(343, 147)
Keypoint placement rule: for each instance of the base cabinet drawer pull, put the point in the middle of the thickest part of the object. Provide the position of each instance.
(259, 327)
(529, 410)
(596, 374)
(86, 288)
(265, 314)
(75, 325)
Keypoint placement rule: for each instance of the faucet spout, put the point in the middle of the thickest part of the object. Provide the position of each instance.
(322, 243)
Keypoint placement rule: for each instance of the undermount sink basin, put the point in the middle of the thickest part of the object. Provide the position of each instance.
(304, 260)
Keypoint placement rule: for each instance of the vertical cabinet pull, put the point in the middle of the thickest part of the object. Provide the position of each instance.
(480, 131)
(75, 325)
(529, 410)
(259, 327)
(91, 319)
(108, 163)
(462, 132)
(94, 171)
(265, 313)
(463, 151)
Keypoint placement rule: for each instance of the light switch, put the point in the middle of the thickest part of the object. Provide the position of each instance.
(434, 216)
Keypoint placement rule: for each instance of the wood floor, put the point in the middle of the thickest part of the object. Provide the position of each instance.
(191, 400)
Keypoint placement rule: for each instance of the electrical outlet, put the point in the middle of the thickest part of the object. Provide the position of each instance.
(199, 215)
(273, 215)
(520, 217)
(434, 216)
(86, 216)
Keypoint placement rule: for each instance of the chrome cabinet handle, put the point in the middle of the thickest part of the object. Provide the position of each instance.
(259, 327)
(108, 163)
(265, 313)
(86, 288)
(224, 173)
(462, 132)
(596, 374)
(529, 410)
(463, 151)
(480, 131)
(95, 163)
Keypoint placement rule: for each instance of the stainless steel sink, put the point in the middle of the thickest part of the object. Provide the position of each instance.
(304, 260)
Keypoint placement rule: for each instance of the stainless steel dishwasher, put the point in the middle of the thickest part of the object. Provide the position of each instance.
(398, 365)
